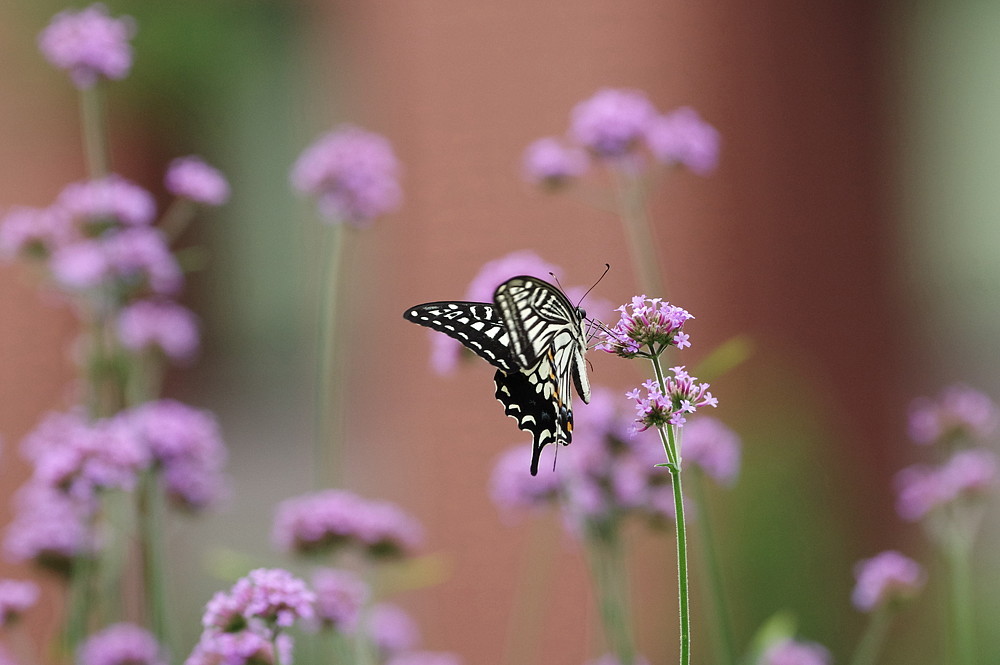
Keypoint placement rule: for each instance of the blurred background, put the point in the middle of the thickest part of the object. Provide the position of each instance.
(850, 232)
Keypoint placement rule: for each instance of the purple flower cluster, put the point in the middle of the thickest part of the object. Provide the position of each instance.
(191, 178)
(332, 519)
(340, 595)
(49, 528)
(243, 648)
(121, 644)
(713, 447)
(160, 325)
(425, 658)
(16, 596)
(646, 323)
(886, 578)
(353, 174)
(958, 413)
(965, 477)
(611, 659)
(89, 44)
(614, 126)
(793, 652)
(667, 405)
(391, 630)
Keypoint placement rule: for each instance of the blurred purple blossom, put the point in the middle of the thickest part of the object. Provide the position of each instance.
(552, 164)
(682, 137)
(793, 652)
(353, 174)
(391, 629)
(425, 658)
(239, 648)
(886, 578)
(612, 123)
(966, 476)
(959, 411)
(159, 324)
(658, 408)
(713, 447)
(610, 659)
(121, 644)
(95, 204)
(267, 598)
(646, 326)
(340, 595)
(513, 489)
(336, 518)
(33, 232)
(191, 178)
(49, 528)
(137, 257)
(89, 44)
(16, 596)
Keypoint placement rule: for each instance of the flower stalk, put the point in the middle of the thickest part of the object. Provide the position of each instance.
(874, 636)
(610, 575)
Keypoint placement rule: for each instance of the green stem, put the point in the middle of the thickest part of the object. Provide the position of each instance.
(176, 219)
(722, 628)
(631, 198)
(958, 553)
(682, 563)
(528, 607)
(152, 544)
(80, 602)
(611, 587)
(874, 636)
(95, 144)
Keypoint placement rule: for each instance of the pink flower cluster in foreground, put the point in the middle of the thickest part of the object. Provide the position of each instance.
(680, 394)
(616, 126)
(646, 326)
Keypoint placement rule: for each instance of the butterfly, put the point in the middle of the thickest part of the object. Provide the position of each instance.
(535, 338)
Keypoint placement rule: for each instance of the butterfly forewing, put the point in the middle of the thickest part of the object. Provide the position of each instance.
(477, 325)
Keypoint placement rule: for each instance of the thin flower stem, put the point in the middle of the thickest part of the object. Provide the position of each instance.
(95, 143)
(528, 605)
(722, 632)
(874, 636)
(631, 198)
(80, 601)
(152, 545)
(958, 552)
(610, 584)
(176, 218)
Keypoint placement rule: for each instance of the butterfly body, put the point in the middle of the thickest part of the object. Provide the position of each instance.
(535, 338)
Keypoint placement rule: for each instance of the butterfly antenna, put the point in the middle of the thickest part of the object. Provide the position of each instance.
(555, 458)
(607, 267)
(558, 283)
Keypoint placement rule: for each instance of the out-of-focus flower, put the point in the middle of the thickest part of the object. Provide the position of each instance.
(682, 137)
(612, 123)
(966, 476)
(121, 644)
(159, 324)
(240, 648)
(49, 528)
(512, 489)
(89, 44)
(713, 447)
(335, 518)
(391, 629)
(191, 178)
(793, 652)
(683, 394)
(552, 164)
(425, 658)
(33, 232)
(888, 577)
(16, 596)
(959, 412)
(340, 595)
(611, 659)
(353, 174)
(93, 205)
(646, 323)
(267, 599)
(137, 258)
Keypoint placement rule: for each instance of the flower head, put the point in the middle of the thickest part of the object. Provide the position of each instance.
(353, 174)
(89, 44)
(16, 596)
(391, 629)
(267, 600)
(93, 205)
(121, 644)
(191, 178)
(646, 323)
(611, 659)
(240, 648)
(886, 578)
(681, 394)
(49, 528)
(793, 652)
(713, 447)
(965, 477)
(340, 595)
(33, 232)
(159, 324)
(612, 123)
(682, 137)
(425, 658)
(135, 258)
(512, 489)
(552, 164)
(959, 412)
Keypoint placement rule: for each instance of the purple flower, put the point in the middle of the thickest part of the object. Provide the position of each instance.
(121, 644)
(682, 137)
(425, 658)
(612, 122)
(352, 173)
(340, 595)
(335, 518)
(159, 324)
(645, 323)
(713, 447)
(391, 629)
(792, 652)
(137, 257)
(33, 232)
(191, 178)
(610, 659)
(113, 200)
(6, 658)
(965, 477)
(550, 163)
(512, 489)
(16, 596)
(266, 599)
(89, 44)
(240, 648)
(683, 394)
(958, 412)
(886, 578)
(49, 528)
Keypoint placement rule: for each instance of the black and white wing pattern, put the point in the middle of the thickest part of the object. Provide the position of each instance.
(535, 338)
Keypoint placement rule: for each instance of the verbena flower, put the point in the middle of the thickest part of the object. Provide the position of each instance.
(612, 123)
(191, 178)
(958, 412)
(93, 205)
(680, 395)
(425, 658)
(391, 629)
(611, 659)
(16, 596)
(240, 648)
(713, 447)
(269, 598)
(793, 652)
(331, 519)
(682, 137)
(886, 578)
(967, 476)
(121, 644)
(552, 164)
(89, 44)
(163, 325)
(645, 328)
(353, 174)
(131, 260)
(33, 232)
(340, 595)
(512, 489)
(49, 528)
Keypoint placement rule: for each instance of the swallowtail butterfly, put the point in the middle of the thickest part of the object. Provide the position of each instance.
(535, 338)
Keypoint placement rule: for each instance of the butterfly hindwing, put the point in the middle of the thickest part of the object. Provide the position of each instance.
(477, 325)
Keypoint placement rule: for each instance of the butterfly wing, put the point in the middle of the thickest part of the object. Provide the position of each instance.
(477, 325)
